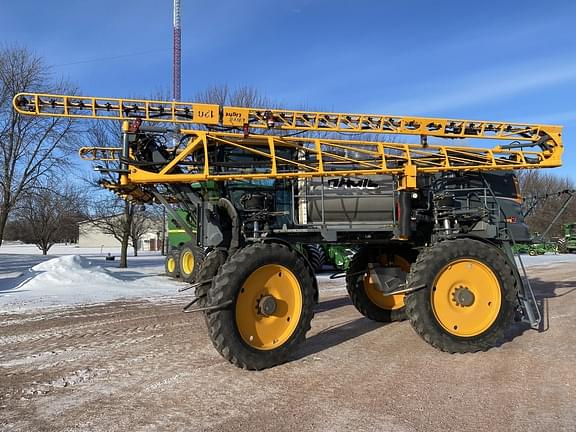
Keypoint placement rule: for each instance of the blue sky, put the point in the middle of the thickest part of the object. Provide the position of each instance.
(492, 60)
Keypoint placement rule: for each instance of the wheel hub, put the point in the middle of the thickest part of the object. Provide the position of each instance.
(463, 297)
(466, 297)
(267, 305)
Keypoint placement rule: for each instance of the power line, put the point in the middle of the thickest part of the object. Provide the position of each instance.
(99, 59)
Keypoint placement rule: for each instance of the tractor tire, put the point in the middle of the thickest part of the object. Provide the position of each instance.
(171, 264)
(272, 294)
(191, 257)
(316, 256)
(364, 295)
(208, 269)
(465, 296)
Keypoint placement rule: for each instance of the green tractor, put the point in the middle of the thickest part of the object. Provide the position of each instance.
(336, 256)
(542, 248)
(184, 255)
(538, 247)
(569, 241)
(339, 255)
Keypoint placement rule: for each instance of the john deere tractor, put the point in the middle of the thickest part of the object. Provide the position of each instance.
(184, 256)
(569, 243)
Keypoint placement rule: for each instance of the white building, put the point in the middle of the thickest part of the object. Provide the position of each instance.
(91, 236)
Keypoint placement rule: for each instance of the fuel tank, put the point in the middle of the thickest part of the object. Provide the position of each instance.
(350, 199)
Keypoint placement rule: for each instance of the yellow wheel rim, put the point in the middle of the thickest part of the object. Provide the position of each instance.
(171, 264)
(268, 331)
(187, 262)
(466, 297)
(388, 302)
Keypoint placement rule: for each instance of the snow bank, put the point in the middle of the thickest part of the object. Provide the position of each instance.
(72, 270)
(66, 263)
(73, 279)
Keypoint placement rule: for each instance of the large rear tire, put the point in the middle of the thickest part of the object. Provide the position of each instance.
(272, 294)
(191, 257)
(316, 256)
(363, 293)
(465, 295)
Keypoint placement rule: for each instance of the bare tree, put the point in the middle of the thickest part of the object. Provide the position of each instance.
(12, 230)
(49, 214)
(31, 148)
(246, 96)
(113, 216)
(214, 95)
(543, 187)
(144, 221)
(110, 214)
(126, 221)
(243, 96)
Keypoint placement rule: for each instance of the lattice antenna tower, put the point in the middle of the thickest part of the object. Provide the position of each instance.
(177, 66)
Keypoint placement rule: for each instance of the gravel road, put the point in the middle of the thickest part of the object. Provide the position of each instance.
(142, 366)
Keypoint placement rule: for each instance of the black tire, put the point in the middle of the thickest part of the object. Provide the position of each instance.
(316, 256)
(171, 264)
(190, 259)
(355, 276)
(212, 262)
(435, 261)
(232, 281)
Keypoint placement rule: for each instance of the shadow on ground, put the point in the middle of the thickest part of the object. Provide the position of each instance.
(142, 261)
(14, 263)
(335, 335)
(328, 305)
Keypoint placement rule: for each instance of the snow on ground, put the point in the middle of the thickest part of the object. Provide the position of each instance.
(73, 276)
(77, 276)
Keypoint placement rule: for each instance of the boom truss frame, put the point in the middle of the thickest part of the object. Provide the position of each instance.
(318, 157)
(522, 146)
